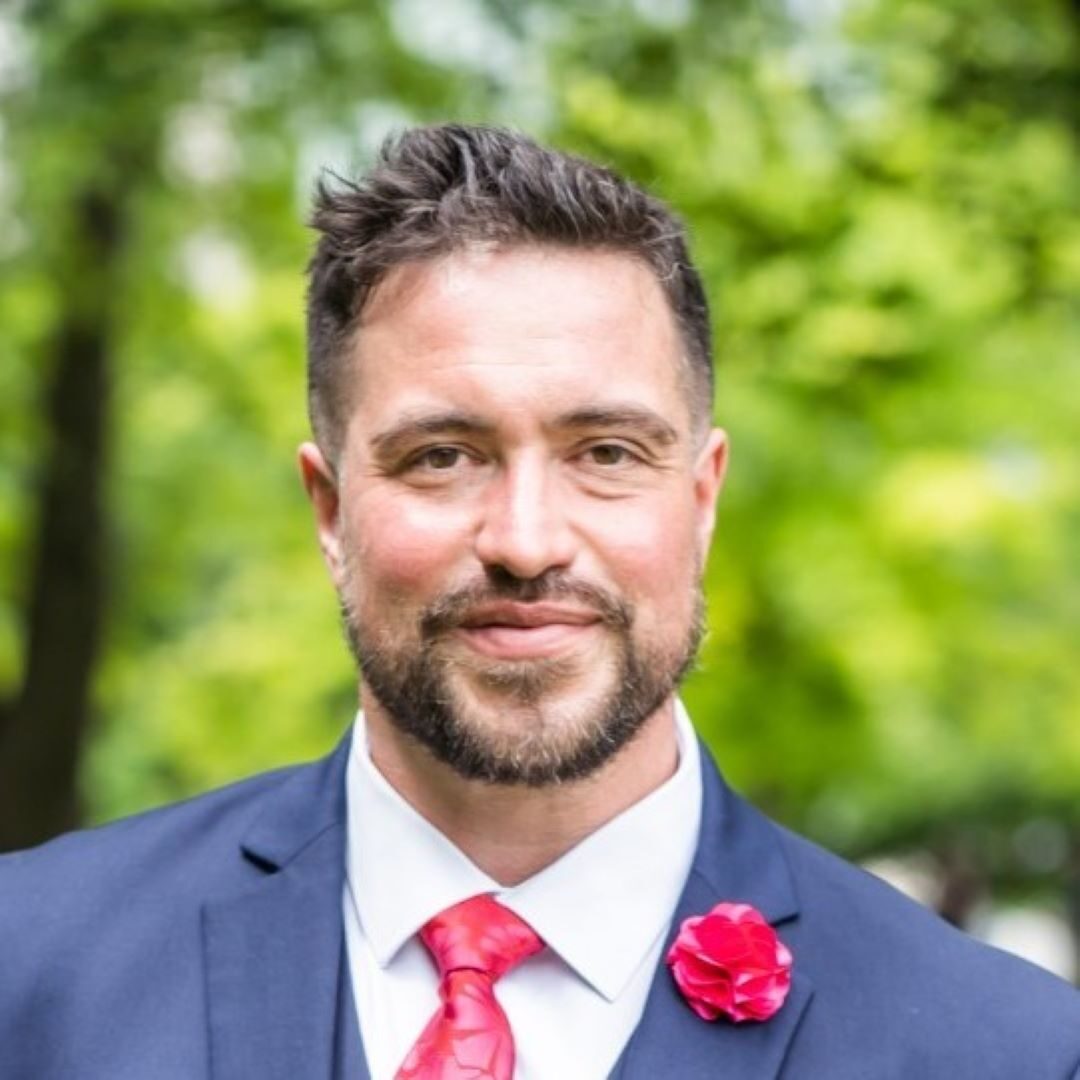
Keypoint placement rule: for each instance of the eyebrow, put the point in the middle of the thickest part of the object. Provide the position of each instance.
(446, 422)
(458, 422)
(650, 424)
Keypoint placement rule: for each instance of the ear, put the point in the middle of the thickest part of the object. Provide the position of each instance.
(320, 483)
(709, 471)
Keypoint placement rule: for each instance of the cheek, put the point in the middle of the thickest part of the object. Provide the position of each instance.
(403, 549)
(653, 555)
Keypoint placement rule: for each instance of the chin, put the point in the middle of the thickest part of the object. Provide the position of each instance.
(553, 686)
(523, 714)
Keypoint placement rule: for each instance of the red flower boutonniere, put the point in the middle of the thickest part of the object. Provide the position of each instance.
(731, 961)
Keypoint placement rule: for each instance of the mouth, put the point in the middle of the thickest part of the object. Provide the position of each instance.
(515, 631)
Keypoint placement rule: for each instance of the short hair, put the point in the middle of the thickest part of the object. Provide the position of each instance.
(438, 189)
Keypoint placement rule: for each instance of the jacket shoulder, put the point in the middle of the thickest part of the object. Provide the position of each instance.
(893, 977)
(76, 887)
(181, 830)
(102, 931)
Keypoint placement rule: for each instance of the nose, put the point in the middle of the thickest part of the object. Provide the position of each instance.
(524, 529)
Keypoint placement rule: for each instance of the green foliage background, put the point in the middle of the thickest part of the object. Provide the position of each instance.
(883, 196)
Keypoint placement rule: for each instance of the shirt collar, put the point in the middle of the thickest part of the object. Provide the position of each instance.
(601, 907)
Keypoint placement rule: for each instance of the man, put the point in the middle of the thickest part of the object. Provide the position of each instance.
(513, 478)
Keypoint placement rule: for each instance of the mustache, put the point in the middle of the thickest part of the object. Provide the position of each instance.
(451, 609)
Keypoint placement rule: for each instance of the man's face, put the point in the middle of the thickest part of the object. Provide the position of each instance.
(521, 508)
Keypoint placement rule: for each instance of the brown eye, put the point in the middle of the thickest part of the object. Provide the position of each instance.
(440, 457)
(608, 454)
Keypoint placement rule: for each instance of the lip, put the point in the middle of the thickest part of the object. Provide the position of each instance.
(527, 616)
(509, 631)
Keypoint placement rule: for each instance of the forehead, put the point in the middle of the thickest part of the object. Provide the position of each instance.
(517, 330)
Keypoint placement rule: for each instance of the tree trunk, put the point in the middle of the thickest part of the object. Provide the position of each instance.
(46, 722)
(963, 882)
(1072, 900)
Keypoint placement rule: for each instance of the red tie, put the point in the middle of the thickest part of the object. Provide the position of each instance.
(473, 943)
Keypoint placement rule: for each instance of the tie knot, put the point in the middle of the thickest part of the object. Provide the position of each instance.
(479, 934)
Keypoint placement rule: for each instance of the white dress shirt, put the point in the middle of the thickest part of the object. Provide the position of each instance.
(603, 910)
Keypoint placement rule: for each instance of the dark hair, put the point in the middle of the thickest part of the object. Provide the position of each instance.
(434, 190)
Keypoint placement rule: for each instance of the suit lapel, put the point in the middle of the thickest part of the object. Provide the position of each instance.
(739, 858)
(350, 1061)
(274, 950)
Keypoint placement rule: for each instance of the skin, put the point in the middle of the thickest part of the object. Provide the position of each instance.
(520, 412)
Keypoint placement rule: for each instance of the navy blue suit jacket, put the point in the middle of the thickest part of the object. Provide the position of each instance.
(205, 940)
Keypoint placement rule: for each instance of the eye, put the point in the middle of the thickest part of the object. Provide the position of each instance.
(609, 455)
(439, 458)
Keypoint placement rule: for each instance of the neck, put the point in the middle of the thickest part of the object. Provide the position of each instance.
(514, 831)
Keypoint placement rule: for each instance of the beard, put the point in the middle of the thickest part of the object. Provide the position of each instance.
(527, 736)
